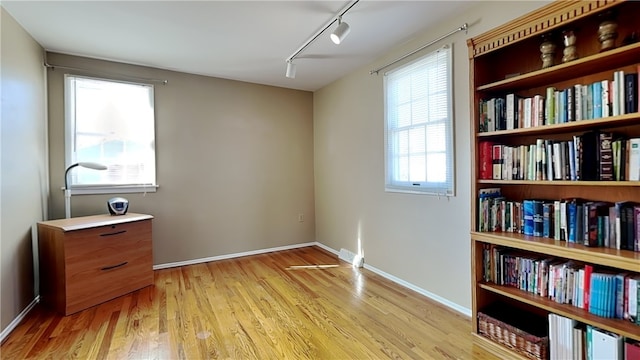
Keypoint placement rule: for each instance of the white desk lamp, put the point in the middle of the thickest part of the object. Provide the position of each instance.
(67, 191)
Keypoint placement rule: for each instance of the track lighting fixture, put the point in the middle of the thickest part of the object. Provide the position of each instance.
(341, 32)
(291, 70)
(337, 37)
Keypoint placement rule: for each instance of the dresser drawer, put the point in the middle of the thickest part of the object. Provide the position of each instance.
(92, 247)
(105, 262)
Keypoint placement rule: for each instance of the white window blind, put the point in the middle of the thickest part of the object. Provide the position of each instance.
(419, 126)
(110, 123)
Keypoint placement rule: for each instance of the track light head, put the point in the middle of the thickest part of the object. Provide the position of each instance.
(291, 69)
(341, 32)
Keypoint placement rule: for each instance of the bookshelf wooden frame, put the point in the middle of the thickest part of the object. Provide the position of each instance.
(512, 46)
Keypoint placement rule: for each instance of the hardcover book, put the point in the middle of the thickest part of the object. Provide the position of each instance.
(485, 159)
(606, 156)
(498, 159)
(634, 159)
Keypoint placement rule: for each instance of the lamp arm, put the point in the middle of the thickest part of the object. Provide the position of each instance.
(66, 175)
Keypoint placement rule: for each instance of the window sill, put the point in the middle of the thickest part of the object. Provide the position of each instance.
(112, 189)
(430, 192)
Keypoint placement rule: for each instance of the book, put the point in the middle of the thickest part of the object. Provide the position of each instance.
(538, 217)
(511, 111)
(631, 349)
(631, 298)
(605, 84)
(588, 270)
(485, 160)
(482, 116)
(590, 156)
(597, 100)
(549, 106)
(497, 159)
(577, 95)
(570, 108)
(615, 93)
(631, 93)
(606, 156)
(573, 222)
(605, 345)
(634, 159)
(529, 213)
(578, 335)
(547, 221)
(557, 160)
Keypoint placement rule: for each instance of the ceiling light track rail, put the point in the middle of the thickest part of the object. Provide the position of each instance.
(337, 17)
(111, 75)
(464, 28)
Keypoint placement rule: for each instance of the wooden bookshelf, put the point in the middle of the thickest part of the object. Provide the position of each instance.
(507, 60)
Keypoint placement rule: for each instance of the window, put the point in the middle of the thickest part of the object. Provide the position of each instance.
(419, 126)
(110, 123)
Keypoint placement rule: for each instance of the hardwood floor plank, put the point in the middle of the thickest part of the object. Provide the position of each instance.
(254, 308)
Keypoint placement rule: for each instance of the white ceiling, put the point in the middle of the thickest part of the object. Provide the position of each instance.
(239, 40)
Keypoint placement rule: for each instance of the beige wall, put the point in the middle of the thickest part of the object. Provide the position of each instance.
(234, 163)
(23, 179)
(423, 240)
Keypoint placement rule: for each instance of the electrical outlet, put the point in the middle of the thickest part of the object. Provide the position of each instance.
(301, 217)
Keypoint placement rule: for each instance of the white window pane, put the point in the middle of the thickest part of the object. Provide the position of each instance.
(421, 110)
(417, 168)
(438, 106)
(417, 140)
(436, 139)
(403, 89)
(419, 84)
(404, 115)
(437, 167)
(403, 168)
(403, 143)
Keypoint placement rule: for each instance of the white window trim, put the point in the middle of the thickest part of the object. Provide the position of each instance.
(111, 189)
(407, 187)
(76, 189)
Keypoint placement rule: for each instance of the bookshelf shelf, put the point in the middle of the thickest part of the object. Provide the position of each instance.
(614, 258)
(588, 65)
(611, 122)
(622, 327)
(561, 183)
(505, 65)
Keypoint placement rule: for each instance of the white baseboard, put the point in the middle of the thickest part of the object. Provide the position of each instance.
(461, 309)
(231, 256)
(325, 247)
(6, 331)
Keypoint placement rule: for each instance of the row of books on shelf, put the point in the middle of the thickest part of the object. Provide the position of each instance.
(601, 292)
(572, 340)
(591, 223)
(592, 156)
(608, 97)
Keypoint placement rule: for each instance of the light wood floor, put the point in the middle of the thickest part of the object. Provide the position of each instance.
(253, 308)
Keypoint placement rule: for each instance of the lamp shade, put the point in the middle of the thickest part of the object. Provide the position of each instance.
(341, 32)
(291, 70)
(92, 165)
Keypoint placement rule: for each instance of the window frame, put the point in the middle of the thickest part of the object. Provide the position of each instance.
(69, 136)
(426, 187)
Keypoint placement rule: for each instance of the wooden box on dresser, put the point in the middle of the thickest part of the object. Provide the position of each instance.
(506, 62)
(85, 261)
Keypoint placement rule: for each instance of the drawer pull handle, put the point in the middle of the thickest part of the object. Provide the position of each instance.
(114, 266)
(114, 233)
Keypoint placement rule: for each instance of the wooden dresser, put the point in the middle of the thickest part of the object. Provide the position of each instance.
(85, 261)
